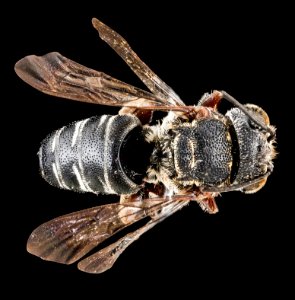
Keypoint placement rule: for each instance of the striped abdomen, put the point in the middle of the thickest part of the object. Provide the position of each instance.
(85, 156)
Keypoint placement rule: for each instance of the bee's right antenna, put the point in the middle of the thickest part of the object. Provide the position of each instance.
(235, 102)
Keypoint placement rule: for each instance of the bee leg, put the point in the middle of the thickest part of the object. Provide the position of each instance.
(155, 190)
(128, 214)
(134, 203)
(131, 198)
(207, 203)
(148, 191)
(194, 112)
(211, 100)
(144, 115)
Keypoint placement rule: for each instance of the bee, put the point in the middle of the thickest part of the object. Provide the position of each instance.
(194, 153)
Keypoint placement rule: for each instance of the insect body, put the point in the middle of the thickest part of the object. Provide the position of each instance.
(193, 154)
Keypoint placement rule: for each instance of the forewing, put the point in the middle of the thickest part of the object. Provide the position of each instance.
(59, 76)
(159, 88)
(69, 237)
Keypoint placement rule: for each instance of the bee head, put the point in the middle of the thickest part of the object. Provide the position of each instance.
(255, 147)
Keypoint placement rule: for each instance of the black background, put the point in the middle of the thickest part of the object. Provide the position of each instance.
(245, 50)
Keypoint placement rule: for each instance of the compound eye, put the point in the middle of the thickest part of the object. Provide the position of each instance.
(258, 111)
(253, 188)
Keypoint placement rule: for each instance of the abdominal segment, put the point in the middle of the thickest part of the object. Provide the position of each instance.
(84, 156)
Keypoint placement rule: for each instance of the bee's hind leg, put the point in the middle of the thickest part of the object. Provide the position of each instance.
(144, 115)
(211, 100)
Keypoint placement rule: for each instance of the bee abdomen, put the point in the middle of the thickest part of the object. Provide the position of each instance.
(84, 156)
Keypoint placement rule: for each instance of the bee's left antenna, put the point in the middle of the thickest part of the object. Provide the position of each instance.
(235, 102)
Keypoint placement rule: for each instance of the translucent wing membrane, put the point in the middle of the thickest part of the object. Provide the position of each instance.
(159, 88)
(56, 75)
(105, 258)
(59, 76)
(68, 238)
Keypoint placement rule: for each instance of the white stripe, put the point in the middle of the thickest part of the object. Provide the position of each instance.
(40, 155)
(80, 172)
(55, 174)
(56, 136)
(80, 180)
(83, 181)
(76, 132)
(58, 177)
(55, 166)
(102, 120)
(108, 186)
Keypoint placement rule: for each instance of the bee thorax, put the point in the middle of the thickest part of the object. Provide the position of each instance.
(190, 153)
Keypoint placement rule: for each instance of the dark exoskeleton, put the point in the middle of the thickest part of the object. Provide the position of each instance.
(86, 156)
(193, 154)
(215, 151)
